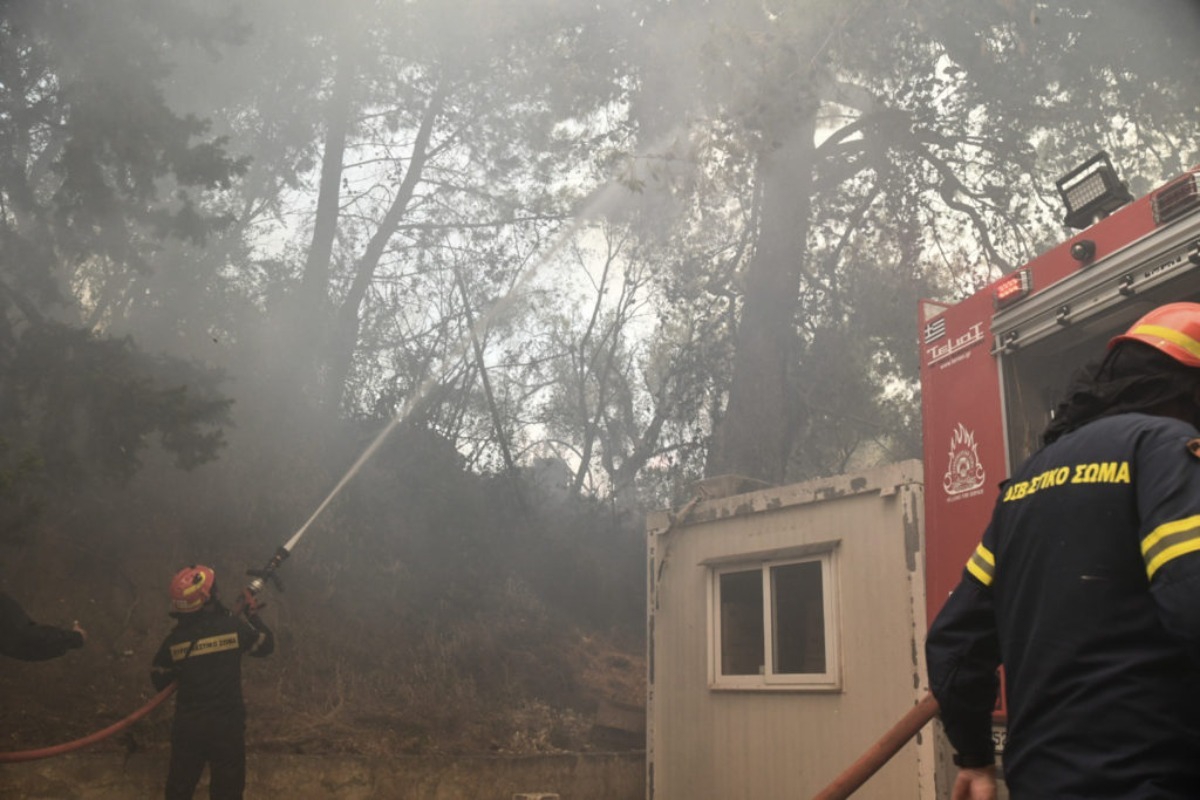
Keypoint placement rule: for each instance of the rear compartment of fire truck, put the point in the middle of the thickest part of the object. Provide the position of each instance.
(1042, 338)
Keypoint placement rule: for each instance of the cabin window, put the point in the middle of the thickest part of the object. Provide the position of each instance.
(774, 625)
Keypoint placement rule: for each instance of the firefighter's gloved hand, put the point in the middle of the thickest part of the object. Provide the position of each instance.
(251, 605)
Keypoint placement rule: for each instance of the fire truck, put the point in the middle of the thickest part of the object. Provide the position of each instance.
(994, 365)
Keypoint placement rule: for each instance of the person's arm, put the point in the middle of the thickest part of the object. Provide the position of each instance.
(22, 638)
(962, 652)
(1167, 471)
(265, 645)
(255, 637)
(162, 668)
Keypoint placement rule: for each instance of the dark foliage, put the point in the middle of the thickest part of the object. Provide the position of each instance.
(94, 168)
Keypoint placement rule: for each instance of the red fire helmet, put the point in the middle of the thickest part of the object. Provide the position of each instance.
(191, 588)
(1173, 329)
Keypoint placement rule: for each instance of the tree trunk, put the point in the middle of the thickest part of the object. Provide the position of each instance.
(306, 322)
(343, 338)
(754, 437)
(315, 282)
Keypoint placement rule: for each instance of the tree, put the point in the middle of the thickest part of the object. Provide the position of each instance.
(96, 173)
(443, 158)
(794, 177)
(869, 135)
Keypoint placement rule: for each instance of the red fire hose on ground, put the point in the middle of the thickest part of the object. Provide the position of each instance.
(256, 585)
(67, 747)
(881, 752)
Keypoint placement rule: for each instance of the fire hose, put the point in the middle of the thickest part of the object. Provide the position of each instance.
(881, 752)
(67, 747)
(260, 579)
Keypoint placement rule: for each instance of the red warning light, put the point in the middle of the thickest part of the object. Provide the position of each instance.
(1011, 289)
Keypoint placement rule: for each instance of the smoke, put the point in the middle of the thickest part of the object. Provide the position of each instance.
(498, 144)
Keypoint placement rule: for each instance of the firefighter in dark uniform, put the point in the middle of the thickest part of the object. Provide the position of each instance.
(24, 639)
(204, 654)
(1086, 587)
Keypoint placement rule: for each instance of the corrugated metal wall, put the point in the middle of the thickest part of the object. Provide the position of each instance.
(729, 744)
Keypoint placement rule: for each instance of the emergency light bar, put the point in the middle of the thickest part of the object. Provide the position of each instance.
(1175, 199)
(1012, 289)
(1091, 191)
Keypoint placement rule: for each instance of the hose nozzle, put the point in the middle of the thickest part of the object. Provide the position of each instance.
(267, 573)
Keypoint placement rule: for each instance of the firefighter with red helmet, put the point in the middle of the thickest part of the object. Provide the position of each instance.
(1086, 587)
(203, 654)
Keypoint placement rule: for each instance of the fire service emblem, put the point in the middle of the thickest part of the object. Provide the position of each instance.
(965, 473)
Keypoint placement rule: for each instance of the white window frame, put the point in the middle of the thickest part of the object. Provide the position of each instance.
(831, 678)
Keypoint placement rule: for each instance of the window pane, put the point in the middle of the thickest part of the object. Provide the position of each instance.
(798, 618)
(742, 642)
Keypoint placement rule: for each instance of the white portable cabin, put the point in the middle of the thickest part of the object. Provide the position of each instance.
(786, 635)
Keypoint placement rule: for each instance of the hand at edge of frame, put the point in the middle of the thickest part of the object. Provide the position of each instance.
(975, 783)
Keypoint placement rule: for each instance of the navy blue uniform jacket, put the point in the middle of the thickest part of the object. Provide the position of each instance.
(204, 653)
(1086, 586)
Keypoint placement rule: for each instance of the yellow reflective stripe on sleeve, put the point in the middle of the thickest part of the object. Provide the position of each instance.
(1172, 336)
(212, 644)
(1170, 540)
(982, 565)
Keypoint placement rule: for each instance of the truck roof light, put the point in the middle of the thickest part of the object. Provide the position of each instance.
(1175, 199)
(1092, 191)
(1011, 289)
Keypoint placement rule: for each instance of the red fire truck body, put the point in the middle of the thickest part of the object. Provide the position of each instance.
(994, 365)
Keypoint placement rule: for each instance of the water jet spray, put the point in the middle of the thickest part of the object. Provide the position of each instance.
(598, 200)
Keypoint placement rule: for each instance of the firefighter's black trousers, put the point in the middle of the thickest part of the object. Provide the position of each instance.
(216, 740)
